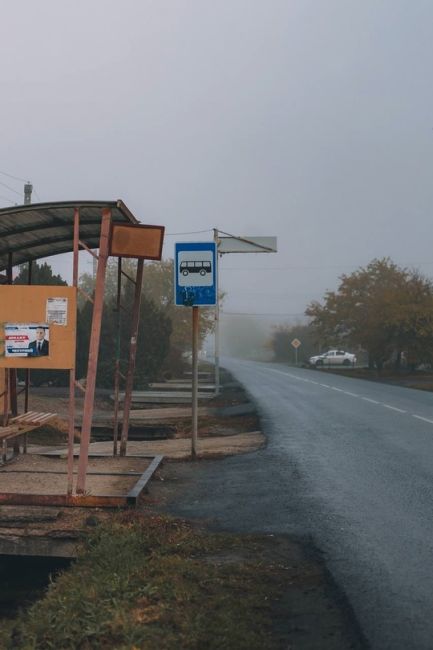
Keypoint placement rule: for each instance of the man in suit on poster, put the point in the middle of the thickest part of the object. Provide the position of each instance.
(40, 346)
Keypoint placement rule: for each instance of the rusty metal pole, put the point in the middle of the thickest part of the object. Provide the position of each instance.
(117, 365)
(132, 355)
(217, 325)
(195, 328)
(6, 399)
(76, 247)
(71, 431)
(71, 428)
(95, 335)
(27, 371)
(13, 396)
(12, 371)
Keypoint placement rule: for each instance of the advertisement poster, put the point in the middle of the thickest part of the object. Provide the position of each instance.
(27, 340)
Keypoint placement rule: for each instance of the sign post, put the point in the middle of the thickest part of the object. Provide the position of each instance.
(296, 343)
(235, 244)
(195, 286)
(195, 330)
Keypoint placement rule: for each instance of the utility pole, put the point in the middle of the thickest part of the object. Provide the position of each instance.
(217, 326)
(234, 244)
(28, 188)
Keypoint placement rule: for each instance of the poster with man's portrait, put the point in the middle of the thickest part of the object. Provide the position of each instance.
(27, 340)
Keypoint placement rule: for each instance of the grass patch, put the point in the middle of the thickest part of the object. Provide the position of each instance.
(146, 581)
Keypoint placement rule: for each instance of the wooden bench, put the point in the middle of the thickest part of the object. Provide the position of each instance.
(21, 425)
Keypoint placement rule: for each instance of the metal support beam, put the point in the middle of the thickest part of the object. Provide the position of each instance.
(195, 332)
(132, 356)
(117, 372)
(85, 295)
(128, 277)
(76, 247)
(89, 250)
(217, 326)
(6, 399)
(71, 429)
(12, 371)
(27, 371)
(95, 335)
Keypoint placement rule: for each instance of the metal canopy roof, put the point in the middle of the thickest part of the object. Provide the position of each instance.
(30, 232)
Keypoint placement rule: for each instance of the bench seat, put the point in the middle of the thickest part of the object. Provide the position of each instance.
(22, 424)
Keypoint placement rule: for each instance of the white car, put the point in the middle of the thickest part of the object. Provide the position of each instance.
(333, 358)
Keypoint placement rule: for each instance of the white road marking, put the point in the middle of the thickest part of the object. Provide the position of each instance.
(346, 392)
(419, 417)
(393, 408)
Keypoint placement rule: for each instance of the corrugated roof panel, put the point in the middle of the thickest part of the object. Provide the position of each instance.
(31, 232)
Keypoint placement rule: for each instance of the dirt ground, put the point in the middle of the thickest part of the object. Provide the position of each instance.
(312, 614)
(33, 474)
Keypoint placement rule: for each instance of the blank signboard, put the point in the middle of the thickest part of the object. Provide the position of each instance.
(138, 241)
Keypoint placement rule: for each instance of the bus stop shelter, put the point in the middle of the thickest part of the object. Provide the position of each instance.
(32, 232)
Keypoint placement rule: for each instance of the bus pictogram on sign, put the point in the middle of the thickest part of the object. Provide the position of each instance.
(195, 266)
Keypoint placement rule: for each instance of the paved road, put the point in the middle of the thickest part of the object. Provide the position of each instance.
(350, 463)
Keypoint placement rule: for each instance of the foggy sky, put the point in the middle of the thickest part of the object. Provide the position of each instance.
(307, 120)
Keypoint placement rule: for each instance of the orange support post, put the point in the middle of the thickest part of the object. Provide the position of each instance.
(95, 335)
(71, 429)
(132, 354)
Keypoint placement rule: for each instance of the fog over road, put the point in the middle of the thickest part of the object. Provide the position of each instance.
(349, 462)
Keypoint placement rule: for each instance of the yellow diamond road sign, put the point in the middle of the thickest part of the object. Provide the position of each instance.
(296, 343)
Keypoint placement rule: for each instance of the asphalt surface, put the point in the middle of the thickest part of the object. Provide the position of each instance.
(349, 463)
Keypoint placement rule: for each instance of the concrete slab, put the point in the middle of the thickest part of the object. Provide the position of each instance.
(181, 386)
(162, 397)
(180, 448)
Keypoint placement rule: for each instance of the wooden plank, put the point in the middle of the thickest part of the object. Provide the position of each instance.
(16, 430)
(43, 418)
(33, 417)
(53, 471)
(11, 432)
(5, 430)
(23, 416)
(18, 418)
(22, 516)
(84, 501)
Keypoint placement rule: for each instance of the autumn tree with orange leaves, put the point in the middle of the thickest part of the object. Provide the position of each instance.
(383, 309)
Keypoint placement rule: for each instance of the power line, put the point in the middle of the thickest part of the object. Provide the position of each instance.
(5, 198)
(309, 268)
(194, 232)
(10, 188)
(239, 313)
(17, 178)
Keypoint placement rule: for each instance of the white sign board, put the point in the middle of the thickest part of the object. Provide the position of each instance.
(57, 311)
(247, 244)
(296, 343)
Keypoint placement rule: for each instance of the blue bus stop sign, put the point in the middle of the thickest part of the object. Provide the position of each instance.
(195, 274)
